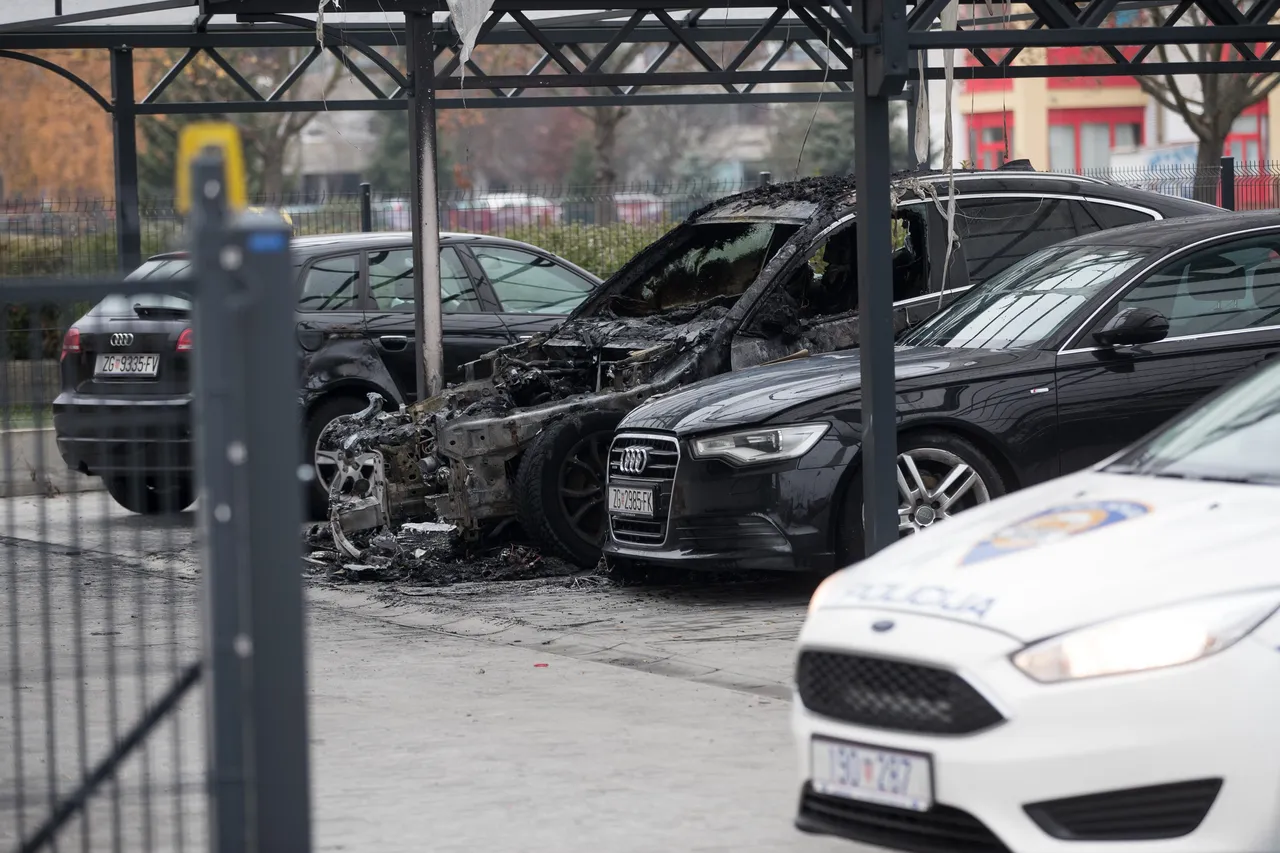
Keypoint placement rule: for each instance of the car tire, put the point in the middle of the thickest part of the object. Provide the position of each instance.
(145, 496)
(560, 486)
(935, 455)
(321, 416)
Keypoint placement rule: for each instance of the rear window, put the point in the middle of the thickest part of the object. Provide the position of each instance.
(157, 269)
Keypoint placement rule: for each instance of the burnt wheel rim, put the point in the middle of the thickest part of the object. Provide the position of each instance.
(581, 489)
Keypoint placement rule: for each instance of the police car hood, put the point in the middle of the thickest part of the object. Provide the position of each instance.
(1074, 551)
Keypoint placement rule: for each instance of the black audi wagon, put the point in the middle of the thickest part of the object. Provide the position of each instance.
(124, 411)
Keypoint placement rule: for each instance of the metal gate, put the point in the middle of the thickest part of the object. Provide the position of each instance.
(181, 389)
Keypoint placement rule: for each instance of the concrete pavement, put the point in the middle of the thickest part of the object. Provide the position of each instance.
(658, 722)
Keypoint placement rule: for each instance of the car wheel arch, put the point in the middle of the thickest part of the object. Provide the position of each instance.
(981, 440)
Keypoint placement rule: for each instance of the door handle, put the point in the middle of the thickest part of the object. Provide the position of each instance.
(393, 342)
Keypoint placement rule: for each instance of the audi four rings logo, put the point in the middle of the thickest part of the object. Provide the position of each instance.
(634, 460)
(121, 339)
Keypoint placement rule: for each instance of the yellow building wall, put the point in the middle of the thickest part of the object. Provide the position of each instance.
(1029, 102)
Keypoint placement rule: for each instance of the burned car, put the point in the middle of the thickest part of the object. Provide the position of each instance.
(757, 277)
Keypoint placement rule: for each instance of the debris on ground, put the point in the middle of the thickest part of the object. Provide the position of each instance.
(424, 554)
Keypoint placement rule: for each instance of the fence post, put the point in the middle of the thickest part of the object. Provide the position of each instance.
(1229, 183)
(250, 515)
(215, 402)
(269, 512)
(366, 208)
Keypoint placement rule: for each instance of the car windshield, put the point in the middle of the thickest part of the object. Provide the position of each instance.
(1029, 301)
(131, 305)
(1235, 437)
(713, 264)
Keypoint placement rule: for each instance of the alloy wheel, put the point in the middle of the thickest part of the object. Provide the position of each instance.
(933, 485)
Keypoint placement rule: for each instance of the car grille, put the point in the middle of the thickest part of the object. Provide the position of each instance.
(891, 695)
(942, 829)
(1136, 814)
(664, 456)
(717, 534)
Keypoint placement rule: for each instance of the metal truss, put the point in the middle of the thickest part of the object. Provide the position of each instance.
(570, 65)
(727, 59)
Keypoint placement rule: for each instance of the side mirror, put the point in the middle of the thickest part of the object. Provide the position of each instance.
(1133, 327)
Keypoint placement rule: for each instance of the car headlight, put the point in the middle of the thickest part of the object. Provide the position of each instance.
(760, 445)
(823, 591)
(1155, 639)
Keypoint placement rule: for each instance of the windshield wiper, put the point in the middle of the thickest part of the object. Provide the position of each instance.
(1251, 479)
(1140, 471)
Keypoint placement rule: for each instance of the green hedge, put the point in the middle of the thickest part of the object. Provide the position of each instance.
(25, 256)
(69, 255)
(600, 249)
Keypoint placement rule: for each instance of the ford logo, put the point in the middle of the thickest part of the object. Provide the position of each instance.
(121, 339)
(634, 460)
(882, 626)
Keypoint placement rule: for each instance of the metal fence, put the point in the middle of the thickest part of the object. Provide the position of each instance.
(115, 604)
(1231, 184)
(597, 227)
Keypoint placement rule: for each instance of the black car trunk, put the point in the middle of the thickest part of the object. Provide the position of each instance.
(122, 356)
(135, 344)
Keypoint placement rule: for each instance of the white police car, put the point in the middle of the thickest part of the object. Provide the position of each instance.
(1092, 664)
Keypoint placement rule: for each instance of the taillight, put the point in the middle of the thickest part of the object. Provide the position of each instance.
(71, 343)
(186, 341)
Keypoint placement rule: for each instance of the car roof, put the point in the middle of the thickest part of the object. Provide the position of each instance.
(315, 244)
(803, 198)
(1166, 234)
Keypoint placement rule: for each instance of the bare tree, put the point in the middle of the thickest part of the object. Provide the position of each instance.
(663, 136)
(605, 120)
(1211, 104)
(267, 136)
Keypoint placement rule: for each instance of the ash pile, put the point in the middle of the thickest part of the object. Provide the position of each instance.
(424, 554)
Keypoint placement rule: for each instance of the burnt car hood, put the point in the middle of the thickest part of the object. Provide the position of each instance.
(754, 396)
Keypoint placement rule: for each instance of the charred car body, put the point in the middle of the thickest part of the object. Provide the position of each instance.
(753, 278)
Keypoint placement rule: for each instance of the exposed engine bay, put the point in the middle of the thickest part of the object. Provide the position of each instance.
(451, 457)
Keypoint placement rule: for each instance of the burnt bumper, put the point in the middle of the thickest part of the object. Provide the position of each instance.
(123, 435)
(713, 516)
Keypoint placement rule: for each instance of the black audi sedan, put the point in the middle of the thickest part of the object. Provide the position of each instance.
(124, 409)
(1060, 360)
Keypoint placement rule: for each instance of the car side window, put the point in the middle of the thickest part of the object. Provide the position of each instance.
(998, 232)
(1225, 288)
(526, 283)
(1115, 216)
(828, 283)
(391, 282)
(332, 284)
